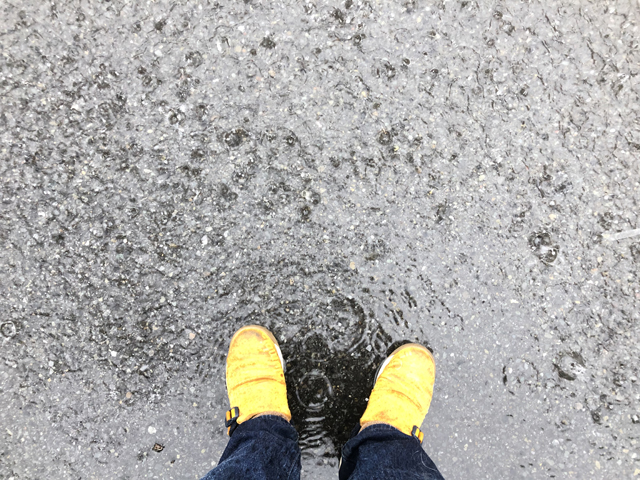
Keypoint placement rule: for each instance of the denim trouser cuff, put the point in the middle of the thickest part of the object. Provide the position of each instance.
(382, 452)
(262, 448)
(266, 448)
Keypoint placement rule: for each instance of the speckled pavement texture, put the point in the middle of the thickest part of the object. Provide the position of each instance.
(351, 175)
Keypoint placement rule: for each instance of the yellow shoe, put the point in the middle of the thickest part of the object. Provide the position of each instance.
(402, 392)
(255, 377)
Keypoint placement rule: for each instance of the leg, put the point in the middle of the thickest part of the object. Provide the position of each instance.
(388, 443)
(381, 452)
(263, 445)
(263, 448)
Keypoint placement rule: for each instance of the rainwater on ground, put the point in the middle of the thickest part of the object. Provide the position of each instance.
(351, 175)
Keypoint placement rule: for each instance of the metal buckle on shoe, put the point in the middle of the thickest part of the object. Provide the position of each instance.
(417, 434)
(231, 421)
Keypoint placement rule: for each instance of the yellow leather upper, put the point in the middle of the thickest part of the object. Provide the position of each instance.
(402, 394)
(255, 377)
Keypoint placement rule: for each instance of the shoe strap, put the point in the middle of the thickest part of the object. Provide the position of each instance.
(231, 421)
(417, 434)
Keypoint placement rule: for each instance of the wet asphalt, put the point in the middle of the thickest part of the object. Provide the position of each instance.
(351, 175)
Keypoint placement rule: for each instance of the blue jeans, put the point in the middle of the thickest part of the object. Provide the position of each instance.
(266, 448)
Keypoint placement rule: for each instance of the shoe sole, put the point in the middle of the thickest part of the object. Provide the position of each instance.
(271, 337)
(395, 352)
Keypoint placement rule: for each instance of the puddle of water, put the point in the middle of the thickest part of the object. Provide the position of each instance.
(332, 349)
(330, 373)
